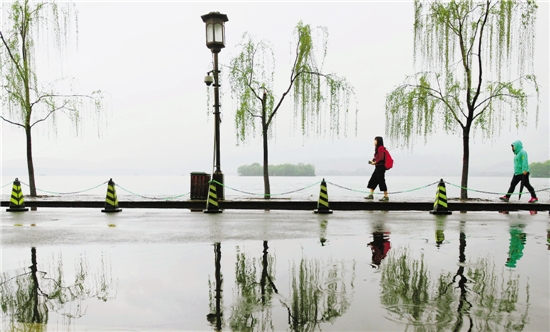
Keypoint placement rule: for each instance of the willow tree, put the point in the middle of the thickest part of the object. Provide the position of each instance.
(477, 62)
(30, 27)
(316, 94)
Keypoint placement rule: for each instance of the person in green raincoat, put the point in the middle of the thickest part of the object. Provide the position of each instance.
(521, 173)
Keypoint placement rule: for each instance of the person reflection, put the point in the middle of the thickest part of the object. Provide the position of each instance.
(380, 246)
(517, 243)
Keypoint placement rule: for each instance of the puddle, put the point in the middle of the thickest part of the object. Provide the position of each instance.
(438, 274)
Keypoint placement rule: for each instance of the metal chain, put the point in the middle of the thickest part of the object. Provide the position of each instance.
(67, 193)
(279, 194)
(150, 197)
(489, 192)
(393, 193)
(249, 193)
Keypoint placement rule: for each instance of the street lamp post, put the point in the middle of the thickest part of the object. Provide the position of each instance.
(215, 41)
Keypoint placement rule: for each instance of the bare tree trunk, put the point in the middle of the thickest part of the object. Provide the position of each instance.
(30, 165)
(267, 189)
(465, 162)
(265, 132)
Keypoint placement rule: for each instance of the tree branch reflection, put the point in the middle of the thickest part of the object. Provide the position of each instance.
(27, 298)
(488, 299)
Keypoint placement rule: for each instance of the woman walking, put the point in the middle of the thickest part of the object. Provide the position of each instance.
(378, 176)
(521, 173)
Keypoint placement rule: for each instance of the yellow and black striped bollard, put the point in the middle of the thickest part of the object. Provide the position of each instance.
(17, 203)
(111, 200)
(212, 202)
(322, 205)
(440, 204)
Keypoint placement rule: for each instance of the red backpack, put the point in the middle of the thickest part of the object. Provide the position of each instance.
(388, 161)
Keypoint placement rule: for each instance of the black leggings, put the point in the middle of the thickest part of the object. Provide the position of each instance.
(377, 178)
(517, 179)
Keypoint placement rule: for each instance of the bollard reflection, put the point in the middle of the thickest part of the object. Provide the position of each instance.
(323, 232)
(29, 296)
(440, 225)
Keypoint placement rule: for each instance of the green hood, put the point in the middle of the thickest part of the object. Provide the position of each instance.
(518, 146)
(521, 163)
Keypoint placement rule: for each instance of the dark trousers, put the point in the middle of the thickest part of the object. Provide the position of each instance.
(517, 179)
(378, 178)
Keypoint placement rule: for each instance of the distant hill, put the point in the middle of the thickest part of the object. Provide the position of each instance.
(540, 170)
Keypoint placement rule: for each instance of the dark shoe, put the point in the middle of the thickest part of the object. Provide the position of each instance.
(369, 197)
(504, 199)
(384, 199)
(533, 200)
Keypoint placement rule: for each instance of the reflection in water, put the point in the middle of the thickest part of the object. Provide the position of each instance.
(440, 224)
(253, 299)
(380, 246)
(517, 243)
(487, 299)
(28, 297)
(216, 298)
(323, 232)
(319, 292)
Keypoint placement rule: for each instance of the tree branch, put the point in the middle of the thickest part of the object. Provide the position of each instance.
(13, 123)
(50, 113)
(19, 70)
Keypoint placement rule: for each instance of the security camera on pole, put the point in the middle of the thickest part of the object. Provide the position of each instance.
(215, 41)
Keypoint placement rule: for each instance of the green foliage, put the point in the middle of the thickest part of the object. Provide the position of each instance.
(251, 75)
(256, 169)
(28, 101)
(410, 293)
(465, 49)
(540, 170)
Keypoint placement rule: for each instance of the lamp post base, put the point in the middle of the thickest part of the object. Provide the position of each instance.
(218, 176)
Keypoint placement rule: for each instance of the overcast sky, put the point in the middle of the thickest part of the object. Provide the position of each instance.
(150, 59)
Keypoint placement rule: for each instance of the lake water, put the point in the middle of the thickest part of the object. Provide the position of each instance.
(401, 188)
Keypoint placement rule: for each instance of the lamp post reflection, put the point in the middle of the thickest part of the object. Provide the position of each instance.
(215, 315)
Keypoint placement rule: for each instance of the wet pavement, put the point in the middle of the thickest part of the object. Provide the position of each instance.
(174, 270)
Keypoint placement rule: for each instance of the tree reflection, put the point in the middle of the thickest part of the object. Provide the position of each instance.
(318, 294)
(475, 291)
(252, 309)
(27, 298)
